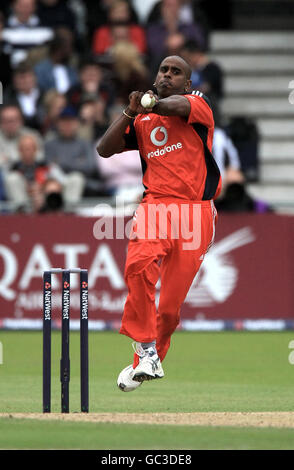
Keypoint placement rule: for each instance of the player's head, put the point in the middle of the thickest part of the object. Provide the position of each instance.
(173, 77)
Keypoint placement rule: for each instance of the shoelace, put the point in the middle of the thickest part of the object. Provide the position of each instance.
(138, 349)
(142, 353)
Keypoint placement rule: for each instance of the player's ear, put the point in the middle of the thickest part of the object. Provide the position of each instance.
(188, 86)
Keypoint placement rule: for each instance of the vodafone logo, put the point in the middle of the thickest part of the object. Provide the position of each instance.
(159, 136)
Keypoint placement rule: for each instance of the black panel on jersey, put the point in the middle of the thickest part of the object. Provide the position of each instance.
(144, 168)
(131, 138)
(201, 95)
(213, 173)
(132, 144)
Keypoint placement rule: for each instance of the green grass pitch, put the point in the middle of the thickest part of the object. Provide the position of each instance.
(205, 372)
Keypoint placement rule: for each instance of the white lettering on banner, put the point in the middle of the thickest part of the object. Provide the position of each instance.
(214, 284)
(98, 300)
(71, 259)
(38, 263)
(217, 277)
(34, 300)
(104, 265)
(9, 273)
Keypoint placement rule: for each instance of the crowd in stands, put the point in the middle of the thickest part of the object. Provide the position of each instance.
(67, 68)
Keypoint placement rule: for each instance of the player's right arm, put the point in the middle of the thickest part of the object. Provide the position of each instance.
(114, 139)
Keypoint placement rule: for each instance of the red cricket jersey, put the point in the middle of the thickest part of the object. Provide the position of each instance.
(176, 152)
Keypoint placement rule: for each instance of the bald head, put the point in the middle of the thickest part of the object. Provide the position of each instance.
(173, 77)
(28, 147)
(182, 63)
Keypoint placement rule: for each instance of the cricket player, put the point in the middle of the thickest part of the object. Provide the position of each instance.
(174, 225)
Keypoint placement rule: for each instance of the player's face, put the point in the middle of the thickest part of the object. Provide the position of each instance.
(171, 78)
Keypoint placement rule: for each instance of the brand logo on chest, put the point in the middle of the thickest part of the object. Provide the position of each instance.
(159, 137)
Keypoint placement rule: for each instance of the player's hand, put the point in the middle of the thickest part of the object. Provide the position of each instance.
(135, 102)
(135, 106)
(152, 94)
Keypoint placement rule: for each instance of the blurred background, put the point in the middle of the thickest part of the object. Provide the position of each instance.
(67, 68)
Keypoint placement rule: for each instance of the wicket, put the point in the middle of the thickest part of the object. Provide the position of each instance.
(65, 357)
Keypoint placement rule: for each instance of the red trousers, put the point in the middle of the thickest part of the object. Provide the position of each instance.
(161, 246)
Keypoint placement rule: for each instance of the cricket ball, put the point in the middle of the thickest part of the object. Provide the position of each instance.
(148, 101)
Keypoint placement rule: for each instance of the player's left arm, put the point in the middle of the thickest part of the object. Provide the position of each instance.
(191, 107)
(175, 105)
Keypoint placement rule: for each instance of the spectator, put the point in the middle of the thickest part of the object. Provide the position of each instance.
(190, 11)
(55, 14)
(219, 15)
(122, 172)
(98, 14)
(207, 75)
(93, 120)
(129, 70)
(4, 7)
(11, 129)
(143, 9)
(80, 11)
(52, 196)
(24, 183)
(53, 103)
(25, 93)
(235, 197)
(119, 28)
(3, 196)
(225, 153)
(56, 71)
(243, 131)
(70, 14)
(5, 69)
(74, 156)
(91, 85)
(122, 175)
(23, 31)
(167, 33)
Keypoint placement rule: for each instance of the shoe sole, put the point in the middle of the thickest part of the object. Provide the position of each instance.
(142, 377)
(122, 387)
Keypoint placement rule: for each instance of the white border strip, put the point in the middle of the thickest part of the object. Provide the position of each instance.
(186, 325)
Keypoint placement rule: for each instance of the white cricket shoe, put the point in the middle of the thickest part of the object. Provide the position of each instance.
(125, 380)
(149, 367)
